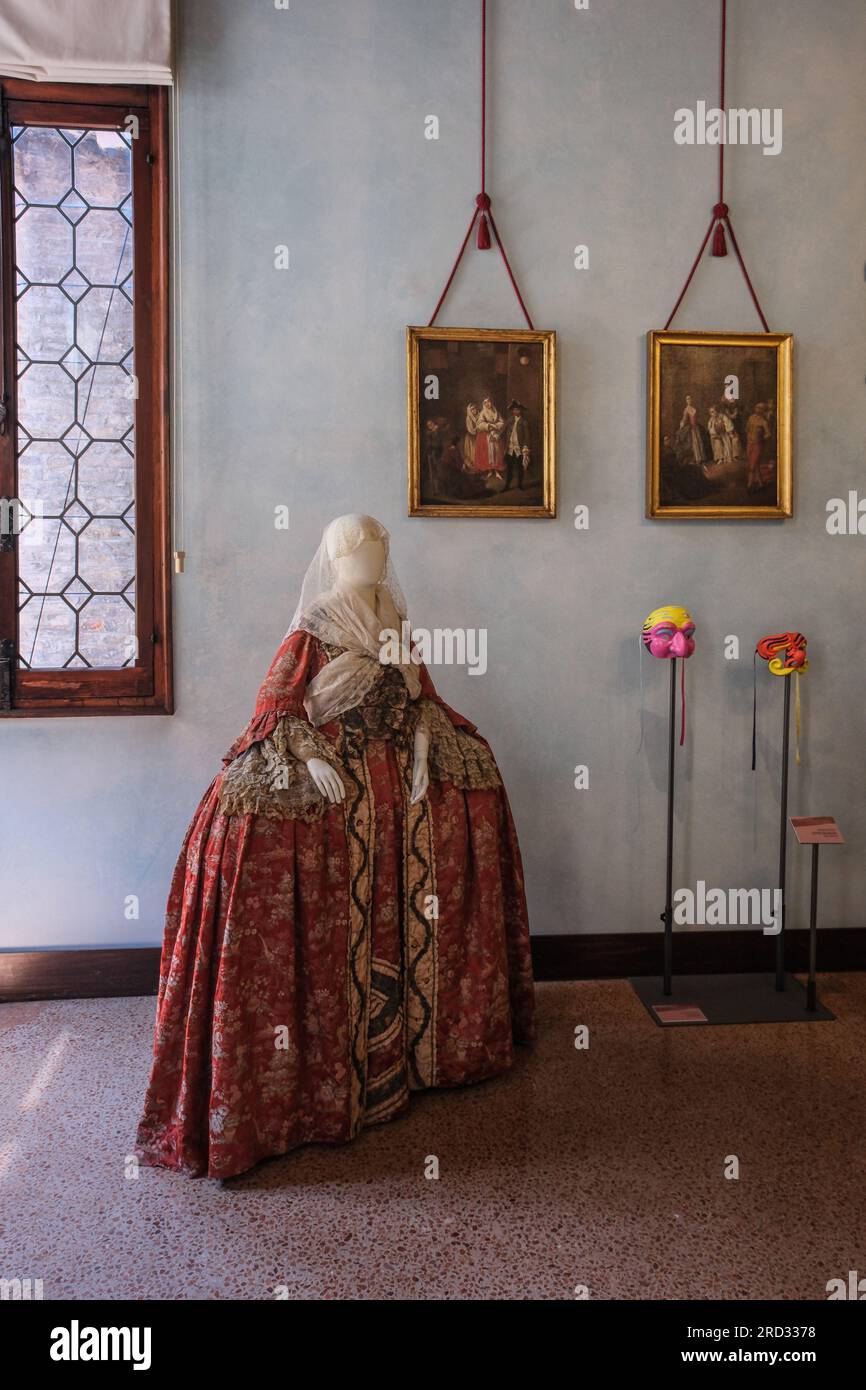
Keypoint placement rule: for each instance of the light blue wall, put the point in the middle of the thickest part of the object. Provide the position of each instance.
(306, 127)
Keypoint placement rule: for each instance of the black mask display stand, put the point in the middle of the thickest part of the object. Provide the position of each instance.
(668, 915)
(731, 998)
(783, 835)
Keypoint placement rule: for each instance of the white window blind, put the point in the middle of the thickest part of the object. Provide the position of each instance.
(126, 41)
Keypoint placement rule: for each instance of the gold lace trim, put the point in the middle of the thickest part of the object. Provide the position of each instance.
(271, 779)
(456, 756)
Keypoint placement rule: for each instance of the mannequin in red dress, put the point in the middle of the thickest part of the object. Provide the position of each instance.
(347, 919)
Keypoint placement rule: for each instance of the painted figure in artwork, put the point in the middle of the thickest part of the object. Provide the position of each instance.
(716, 431)
(757, 436)
(486, 427)
(347, 919)
(727, 463)
(691, 435)
(733, 442)
(469, 436)
(771, 430)
(516, 445)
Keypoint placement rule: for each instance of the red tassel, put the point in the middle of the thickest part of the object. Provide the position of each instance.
(483, 234)
(720, 246)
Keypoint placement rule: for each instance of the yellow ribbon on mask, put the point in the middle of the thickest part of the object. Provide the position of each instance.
(790, 643)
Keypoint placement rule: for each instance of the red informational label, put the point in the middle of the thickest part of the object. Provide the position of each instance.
(679, 1013)
(817, 830)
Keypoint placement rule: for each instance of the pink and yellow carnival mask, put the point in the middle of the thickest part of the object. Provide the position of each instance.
(668, 633)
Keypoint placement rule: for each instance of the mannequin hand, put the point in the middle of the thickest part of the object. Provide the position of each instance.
(327, 780)
(420, 777)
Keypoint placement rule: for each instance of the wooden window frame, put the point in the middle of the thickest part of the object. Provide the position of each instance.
(146, 687)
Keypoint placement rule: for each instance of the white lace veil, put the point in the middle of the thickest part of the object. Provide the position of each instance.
(341, 537)
(339, 617)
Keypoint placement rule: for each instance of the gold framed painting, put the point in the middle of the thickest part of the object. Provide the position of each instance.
(719, 425)
(482, 422)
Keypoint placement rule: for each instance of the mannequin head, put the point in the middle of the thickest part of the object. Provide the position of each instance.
(352, 567)
(357, 549)
(363, 568)
(669, 631)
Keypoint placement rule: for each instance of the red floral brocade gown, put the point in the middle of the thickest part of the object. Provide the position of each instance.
(321, 962)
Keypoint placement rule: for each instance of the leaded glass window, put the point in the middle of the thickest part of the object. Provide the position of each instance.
(76, 450)
(83, 458)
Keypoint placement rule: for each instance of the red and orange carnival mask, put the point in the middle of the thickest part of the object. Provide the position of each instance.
(785, 654)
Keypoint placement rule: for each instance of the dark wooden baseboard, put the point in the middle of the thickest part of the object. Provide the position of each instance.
(616, 955)
(117, 973)
(113, 972)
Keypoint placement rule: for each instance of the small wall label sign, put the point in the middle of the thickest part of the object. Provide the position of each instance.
(817, 830)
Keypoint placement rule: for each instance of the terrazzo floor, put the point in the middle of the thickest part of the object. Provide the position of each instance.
(600, 1169)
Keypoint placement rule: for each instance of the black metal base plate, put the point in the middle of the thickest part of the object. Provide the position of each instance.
(718, 999)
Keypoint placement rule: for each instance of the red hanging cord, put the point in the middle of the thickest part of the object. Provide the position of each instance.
(508, 267)
(720, 210)
(481, 212)
(746, 275)
(483, 202)
(721, 216)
